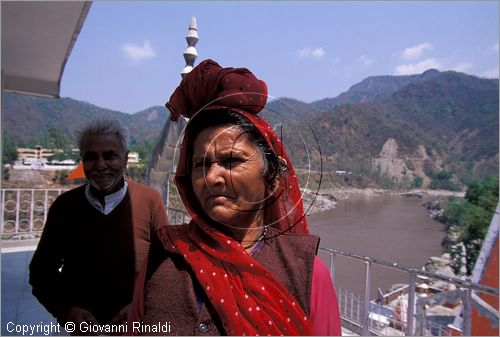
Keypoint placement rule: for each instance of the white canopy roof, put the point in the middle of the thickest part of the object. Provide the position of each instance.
(37, 39)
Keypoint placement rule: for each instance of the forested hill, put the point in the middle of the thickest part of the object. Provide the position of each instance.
(443, 127)
(26, 119)
(372, 89)
(438, 128)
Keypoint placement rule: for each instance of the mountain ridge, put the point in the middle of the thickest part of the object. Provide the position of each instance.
(387, 128)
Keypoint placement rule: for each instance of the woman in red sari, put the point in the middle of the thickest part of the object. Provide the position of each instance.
(245, 264)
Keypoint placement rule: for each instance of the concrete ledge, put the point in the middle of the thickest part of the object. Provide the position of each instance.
(11, 246)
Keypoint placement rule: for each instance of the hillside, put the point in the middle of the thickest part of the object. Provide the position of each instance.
(436, 129)
(371, 89)
(26, 118)
(445, 122)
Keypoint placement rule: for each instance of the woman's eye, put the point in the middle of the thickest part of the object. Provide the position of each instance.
(232, 161)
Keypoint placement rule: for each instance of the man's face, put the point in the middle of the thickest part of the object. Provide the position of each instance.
(104, 162)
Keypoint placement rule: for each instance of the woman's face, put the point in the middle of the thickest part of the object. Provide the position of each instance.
(227, 176)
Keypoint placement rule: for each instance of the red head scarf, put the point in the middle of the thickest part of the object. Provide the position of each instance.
(248, 298)
(208, 84)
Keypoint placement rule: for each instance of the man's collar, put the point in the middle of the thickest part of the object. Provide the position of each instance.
(110, 201)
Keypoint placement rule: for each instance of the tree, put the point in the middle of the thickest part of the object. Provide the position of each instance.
(472, 215)
(53, 138)
(473, 192)
(443, 180)
(9, 150)
(144, 149)
(418, 181)
(58, 139)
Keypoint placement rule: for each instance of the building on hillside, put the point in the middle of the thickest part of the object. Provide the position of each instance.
(133, 158)
(38, 159)
(26, 154)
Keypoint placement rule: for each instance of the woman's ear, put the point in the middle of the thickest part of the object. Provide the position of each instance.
(273, 178)
(283, 165)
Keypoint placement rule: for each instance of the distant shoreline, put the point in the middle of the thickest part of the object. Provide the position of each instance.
(327, 198)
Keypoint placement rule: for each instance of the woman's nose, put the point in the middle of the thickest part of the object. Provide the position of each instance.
(215, 175)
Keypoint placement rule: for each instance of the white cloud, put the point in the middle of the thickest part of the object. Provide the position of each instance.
(316, 53)
(365, 60)
(413, 53)
(491, 73)
(462, 67)
(417, 68)
(494, 48)
(137, 52)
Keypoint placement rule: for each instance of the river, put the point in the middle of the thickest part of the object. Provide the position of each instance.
(388, 227)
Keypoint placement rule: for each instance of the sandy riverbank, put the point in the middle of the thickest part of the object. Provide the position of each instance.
(326, 199)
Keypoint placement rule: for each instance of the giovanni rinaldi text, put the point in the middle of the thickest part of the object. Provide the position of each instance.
(86, 327)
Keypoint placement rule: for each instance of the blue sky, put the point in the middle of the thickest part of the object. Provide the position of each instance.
(128, 56)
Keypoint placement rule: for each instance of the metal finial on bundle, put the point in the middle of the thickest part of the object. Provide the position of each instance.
(190, 52)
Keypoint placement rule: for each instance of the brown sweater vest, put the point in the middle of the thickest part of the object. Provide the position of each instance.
(171, 291)
(100, 255)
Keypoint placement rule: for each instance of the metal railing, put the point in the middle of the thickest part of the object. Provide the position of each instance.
(177, 216)
(365, 317)
(24, 212)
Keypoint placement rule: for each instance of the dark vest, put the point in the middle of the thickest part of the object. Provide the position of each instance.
(171, 291)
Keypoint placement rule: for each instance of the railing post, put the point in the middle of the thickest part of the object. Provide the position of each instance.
(32, 209)
(467, 314)
(352, 305)
(420, 318)
(345, 302)
(332, 266)
(45, 206)
(3, 208)
(18, 206)
(366, 311)
(411, 305)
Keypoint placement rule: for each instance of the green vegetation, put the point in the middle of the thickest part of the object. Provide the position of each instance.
(418, 182)
(443, 181)
(138, 172)
(470, 217)
(144, 149)
(9, 153)
(53, 138)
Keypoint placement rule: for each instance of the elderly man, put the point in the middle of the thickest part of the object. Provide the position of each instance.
(97, 235)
